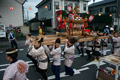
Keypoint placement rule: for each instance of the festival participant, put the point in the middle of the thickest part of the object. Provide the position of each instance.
(28, 40)
(104, 44)
(29, 43)
(39, 52)
(56, 53)
(17, 69)
(89, 48)
(69, 56)
(97, 48)
(12, 40)
(106, 30)
(116, 42)
(47, 51)
(80, 48)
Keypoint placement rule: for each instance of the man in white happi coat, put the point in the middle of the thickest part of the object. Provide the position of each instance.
(17, 69)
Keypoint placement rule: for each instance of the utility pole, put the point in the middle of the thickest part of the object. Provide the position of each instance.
(94, 14)
(118, 14)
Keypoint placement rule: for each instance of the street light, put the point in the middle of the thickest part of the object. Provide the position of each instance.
(87, 12)
(110, 15)
(99, 14)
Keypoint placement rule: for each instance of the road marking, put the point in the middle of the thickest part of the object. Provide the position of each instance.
(20, 49)
(4, 65)
(63, 73)
(94, 63)
(2, 69)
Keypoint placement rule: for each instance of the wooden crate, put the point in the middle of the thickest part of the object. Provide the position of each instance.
(104, 76)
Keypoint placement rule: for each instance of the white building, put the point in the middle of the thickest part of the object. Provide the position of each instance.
(47, 9)
(13, 17)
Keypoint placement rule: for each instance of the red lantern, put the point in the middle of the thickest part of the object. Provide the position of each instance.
(91, 18)
(69, 8)
(45, 7)
(11, 8)
(59, 19)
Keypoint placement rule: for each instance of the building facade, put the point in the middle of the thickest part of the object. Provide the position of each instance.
(11, 12)
(106, 7)
(48, 8)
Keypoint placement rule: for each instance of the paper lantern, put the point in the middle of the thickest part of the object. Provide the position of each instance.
(69, 8)
(11, 8)
(99, 14)
(110, 15)
(59, 19)
(91, 18)
(45, 7)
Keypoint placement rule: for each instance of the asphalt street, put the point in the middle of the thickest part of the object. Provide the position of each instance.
(84, 69)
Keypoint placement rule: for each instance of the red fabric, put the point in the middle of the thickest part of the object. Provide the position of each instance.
(85, 25)
(70, 25)
(87, 30)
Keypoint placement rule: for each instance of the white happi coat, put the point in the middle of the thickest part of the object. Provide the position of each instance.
(56, 56)
(16, 71)
(89, 45)
(116, 43)
(98, 44)
(69, 55)
(105, 43)
(40, 54)
(47, 50)
(27, 42)
(117, 53)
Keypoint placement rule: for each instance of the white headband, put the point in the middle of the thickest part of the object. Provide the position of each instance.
(11, 52)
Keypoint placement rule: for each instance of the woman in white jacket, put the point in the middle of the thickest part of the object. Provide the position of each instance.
(39, 52)
(69, 56)
(29, 44)
(116, 42)
(56, 53)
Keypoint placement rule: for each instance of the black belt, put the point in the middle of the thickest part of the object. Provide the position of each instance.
(46, 60)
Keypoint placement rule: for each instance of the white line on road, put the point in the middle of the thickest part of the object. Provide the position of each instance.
(20, 49)
(63, 73)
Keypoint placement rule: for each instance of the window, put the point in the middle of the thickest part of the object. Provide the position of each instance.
(57, 5)
(71, 4)
(65, 6)
(49, 6)
(101, 9)
(76, 4)
(84, 7)
(111, 9)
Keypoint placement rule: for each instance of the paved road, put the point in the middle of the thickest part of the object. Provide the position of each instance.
(81, 72)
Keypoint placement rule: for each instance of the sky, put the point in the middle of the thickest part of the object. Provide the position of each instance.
(33, 3)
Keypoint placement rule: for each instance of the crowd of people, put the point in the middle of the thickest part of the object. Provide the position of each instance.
(39, 54)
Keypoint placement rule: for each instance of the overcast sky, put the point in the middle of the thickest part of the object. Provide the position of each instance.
(33, 3)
